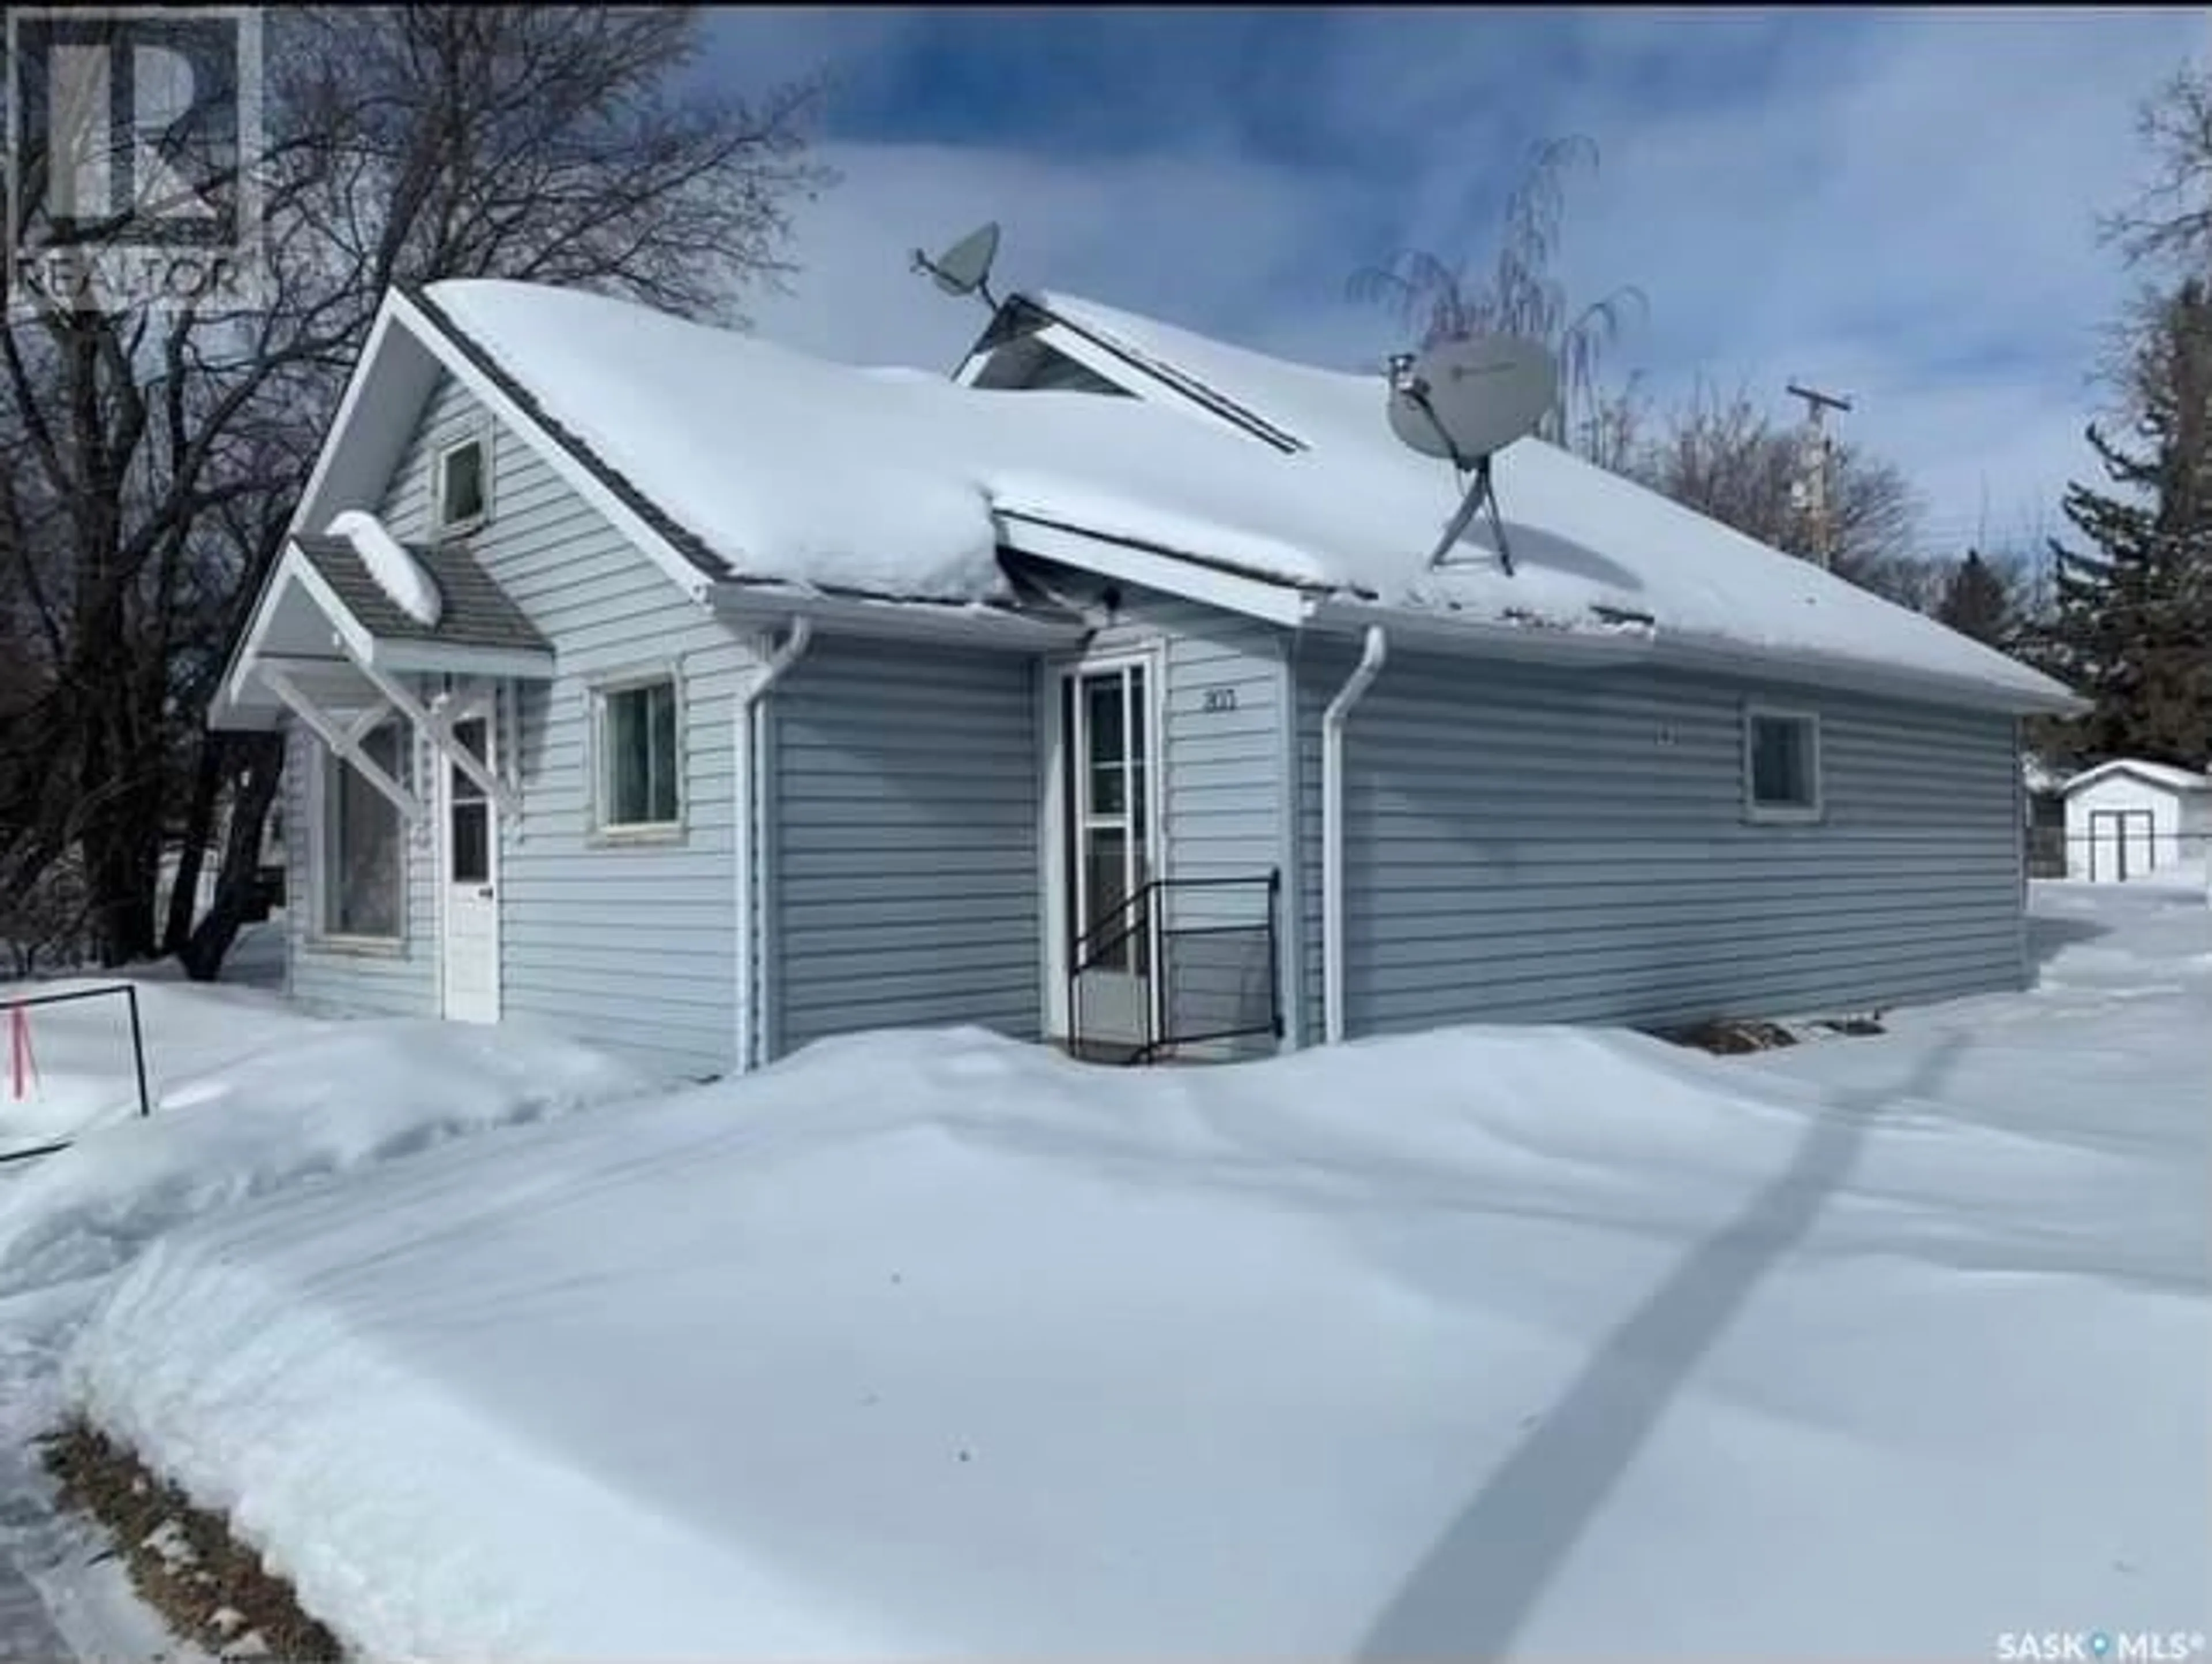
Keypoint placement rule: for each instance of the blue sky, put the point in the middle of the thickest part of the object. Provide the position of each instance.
(1896, 204)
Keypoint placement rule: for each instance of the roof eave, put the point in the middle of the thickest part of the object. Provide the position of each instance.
(2134, 769)
(411, 655)
(1496, 638)
(1882, 679)
(884, 617)
(1658, 648)
(1155, 566)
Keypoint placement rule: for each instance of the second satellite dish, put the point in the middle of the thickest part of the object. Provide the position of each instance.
(1463, 400)
(964, 268)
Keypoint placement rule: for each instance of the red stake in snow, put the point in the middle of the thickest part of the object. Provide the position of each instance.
(23, 1069)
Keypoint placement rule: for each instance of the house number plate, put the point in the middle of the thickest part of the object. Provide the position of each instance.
(1219, 699)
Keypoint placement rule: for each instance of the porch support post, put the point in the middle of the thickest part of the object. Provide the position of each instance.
(344, 742)
(438, 727)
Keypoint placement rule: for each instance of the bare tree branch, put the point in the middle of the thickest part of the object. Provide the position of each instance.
(155, 461)
(1518, 296)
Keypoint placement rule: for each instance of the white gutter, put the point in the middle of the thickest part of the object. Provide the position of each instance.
(972, 625)
(1371, 655)
(1634, 645)
(774, 663)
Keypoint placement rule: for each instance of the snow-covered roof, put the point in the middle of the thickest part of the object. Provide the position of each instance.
(787, 469)
(397, 573)
(2157, 773)
(1582, 536)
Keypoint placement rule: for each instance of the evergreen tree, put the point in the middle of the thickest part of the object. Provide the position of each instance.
(1976, 601)
(2132, 624)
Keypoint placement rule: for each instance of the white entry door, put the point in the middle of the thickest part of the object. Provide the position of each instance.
(468, 872)
(1107, 848)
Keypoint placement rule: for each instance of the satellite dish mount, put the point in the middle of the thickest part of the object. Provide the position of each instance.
(965, 268)
(1463, 400)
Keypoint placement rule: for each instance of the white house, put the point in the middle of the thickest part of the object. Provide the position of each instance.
(2126, 819)
(705, 699)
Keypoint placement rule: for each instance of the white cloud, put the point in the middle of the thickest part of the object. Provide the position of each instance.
(1912, 221)
(1207, 240)
(1902, 212)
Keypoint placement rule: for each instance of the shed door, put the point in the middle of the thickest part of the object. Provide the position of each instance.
(2120, 844)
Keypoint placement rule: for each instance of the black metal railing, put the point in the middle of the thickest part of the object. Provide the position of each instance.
(1177, 966)
(2117, 854)
(129, 995)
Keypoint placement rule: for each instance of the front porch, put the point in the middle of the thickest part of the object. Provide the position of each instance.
(400, 674)
(1186, 970)
(1159, 963)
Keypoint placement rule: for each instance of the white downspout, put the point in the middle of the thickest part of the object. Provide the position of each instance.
(1371, 655)
(773, 666)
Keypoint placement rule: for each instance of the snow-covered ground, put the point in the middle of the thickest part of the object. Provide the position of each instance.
(81, 1051)
(1495, 1342)
(253, 1097)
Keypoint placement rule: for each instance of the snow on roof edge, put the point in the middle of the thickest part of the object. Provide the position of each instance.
(2006, 681)
(401, 577)
(2158, 774)
(2021, 686)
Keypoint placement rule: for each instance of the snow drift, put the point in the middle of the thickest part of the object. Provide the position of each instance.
(298, 1100)
(81, 1049)
(252, 1097)
(1490, 1342)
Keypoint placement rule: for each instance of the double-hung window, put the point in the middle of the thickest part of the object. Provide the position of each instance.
(640, 789)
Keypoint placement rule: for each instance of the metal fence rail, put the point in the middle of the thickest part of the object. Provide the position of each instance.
(129, 993)
(2051, 850)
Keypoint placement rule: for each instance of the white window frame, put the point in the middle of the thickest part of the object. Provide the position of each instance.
(481, 438)
(601, 759)
(320, 834)
(1052, 822)
(1783, 814)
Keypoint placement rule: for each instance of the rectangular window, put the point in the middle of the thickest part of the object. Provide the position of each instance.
(364, 842)
(460, 485)
(1782, 765)
(468, 809)
(641, 761)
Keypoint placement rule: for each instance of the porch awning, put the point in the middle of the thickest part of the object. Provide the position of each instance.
(329, 644)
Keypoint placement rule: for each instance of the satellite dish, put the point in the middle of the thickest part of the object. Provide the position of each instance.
(965, 268)
(1462, 402)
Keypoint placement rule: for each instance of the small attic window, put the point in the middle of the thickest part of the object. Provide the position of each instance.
(461, 484)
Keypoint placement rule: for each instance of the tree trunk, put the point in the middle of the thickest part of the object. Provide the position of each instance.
(262, 767)
(199, 828)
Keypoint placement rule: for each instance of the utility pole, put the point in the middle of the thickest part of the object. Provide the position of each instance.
(1820, 459)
